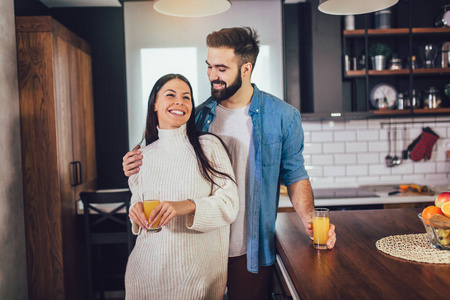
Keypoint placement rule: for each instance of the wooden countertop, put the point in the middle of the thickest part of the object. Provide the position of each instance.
(355, 268)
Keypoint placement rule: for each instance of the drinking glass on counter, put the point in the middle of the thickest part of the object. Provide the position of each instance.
(151, 200)
(321, 225)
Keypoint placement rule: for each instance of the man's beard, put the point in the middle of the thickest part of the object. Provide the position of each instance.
(228, 91)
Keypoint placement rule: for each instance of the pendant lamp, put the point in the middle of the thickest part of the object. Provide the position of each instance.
(191, 8)
(353, 7)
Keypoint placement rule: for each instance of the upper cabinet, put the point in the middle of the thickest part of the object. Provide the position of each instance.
(396, 62)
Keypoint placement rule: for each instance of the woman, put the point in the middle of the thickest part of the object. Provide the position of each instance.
(192, 174)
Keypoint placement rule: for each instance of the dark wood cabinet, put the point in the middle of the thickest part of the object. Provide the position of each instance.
(58, 151)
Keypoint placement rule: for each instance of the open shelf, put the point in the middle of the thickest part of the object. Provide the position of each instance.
(422, 111)
(395, 31)
(432, 71)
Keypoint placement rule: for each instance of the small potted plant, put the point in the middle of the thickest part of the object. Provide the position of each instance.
(379, 53)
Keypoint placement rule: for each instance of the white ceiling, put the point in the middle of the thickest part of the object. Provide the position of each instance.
(112, 3)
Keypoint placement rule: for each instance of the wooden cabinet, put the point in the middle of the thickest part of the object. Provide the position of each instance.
(58, 150)
(411, 30)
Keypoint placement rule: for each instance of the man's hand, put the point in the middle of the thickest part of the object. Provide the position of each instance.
(302, 199)
(132, 161)
(331, 234)
(138, 216)
(166, 211)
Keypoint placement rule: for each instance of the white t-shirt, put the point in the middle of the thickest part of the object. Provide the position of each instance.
(234, 127)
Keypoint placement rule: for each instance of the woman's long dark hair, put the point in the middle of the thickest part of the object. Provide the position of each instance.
(151, 132)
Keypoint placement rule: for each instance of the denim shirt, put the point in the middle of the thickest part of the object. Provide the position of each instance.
(275, 153)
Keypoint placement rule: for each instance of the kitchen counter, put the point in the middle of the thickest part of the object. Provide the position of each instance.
(355, 268)
(382, 197)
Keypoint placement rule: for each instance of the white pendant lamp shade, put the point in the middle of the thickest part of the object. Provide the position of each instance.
(353, 7)
(191, 8)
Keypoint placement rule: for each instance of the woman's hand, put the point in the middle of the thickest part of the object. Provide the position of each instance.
(138, 216)
(166, 211)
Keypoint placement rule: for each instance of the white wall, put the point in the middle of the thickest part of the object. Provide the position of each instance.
(353, 153)
(13, 273)
(145, 28)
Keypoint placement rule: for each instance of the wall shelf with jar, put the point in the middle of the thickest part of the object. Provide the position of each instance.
(412, 57)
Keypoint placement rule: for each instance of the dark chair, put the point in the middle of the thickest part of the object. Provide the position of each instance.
(106, 223)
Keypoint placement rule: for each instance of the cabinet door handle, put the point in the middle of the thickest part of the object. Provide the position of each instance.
(80, 173)
(74, 173)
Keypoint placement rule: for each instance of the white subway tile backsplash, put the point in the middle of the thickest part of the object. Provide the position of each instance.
(414, 178)
(321, 136)
(332, 125)
(367, 135)
(312, 126)
(391, 179)
(345, 159)
(322, 159)
(443, 167)
(341, 180)
(354, 147)
(353, 152)
(315, 171)
(313, 148)
(425, 168)
(404, 168)
(367, 158)
(308, 159)
(343, 136)
(434, 178)
(440, 131)
(378, 146)
(335, 147)
(379, 169)
(334, 171)
(375, 123)
(357, 170)
(307, 136)
(368, 179)
(356, 124)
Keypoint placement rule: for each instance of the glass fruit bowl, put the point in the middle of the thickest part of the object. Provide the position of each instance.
(438, 233)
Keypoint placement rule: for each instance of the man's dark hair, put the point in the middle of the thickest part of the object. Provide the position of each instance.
(244, 41)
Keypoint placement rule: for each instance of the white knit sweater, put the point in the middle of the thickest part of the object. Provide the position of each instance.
(188, 258)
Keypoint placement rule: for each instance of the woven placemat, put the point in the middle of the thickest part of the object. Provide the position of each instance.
(415, 247)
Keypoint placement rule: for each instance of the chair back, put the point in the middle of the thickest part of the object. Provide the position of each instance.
(106, 206)
(106, 222)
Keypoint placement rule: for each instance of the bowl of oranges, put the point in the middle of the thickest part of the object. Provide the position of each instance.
(436, 220)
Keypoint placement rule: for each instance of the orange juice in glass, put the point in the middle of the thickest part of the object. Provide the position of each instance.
(321, 225)
(150, 201)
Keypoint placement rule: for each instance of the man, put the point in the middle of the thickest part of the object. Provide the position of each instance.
(265, 138)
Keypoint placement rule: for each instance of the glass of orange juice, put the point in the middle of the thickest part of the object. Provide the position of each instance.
(150, 201)
(321, 225)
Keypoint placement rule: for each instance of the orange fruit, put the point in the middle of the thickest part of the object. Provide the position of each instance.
(445, 208)
(430, 211)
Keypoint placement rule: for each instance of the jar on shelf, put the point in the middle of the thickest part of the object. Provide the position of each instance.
(395, 63)
(415, 101)
(432, 98)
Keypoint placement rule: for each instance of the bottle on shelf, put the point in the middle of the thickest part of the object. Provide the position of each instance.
(401, 102)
